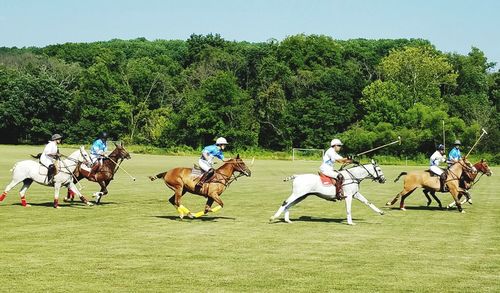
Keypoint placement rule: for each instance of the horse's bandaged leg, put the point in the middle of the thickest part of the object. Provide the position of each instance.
(23, 202)
(216, 209)
(2, 197)
(184, 209)
(199, 214)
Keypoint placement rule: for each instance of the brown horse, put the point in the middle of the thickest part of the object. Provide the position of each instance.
(105, 173)
(466, 183)
(181, 180)
(424, 179)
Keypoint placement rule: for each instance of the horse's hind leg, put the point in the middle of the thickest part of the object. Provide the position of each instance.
(11, 185)
(182, 210)
(429, 200)
(290, 201)
(22, 192)
(290, 205)
(436, 199)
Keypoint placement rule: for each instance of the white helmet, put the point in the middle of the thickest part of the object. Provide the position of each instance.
(221, 140)
(335, 141)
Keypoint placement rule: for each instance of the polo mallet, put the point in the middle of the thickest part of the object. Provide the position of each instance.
(379, 147)
(444, 138)
(483, 133)
(120, 167)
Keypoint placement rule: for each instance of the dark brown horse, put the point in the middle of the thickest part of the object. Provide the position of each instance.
(105, 173)
(181, 180)
(424, 179)
(466, 183)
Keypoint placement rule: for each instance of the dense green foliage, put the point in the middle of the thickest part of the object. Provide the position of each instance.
(299, 92)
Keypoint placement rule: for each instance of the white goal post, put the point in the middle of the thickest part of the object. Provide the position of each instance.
(299, 154)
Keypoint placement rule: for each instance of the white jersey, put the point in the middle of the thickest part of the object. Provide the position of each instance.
(436, 159)
(50, 149)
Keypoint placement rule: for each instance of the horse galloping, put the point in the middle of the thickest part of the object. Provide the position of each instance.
(181, 180)
(105, 173)
(28, 171)
(466, 183)
(424, 179)
(311, 184)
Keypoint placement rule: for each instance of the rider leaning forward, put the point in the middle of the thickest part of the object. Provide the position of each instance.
(50, 156)
(206, 160)
(330, 157)
(97, 152)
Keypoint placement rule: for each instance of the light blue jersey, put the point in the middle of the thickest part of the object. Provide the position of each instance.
(98, 147)
(213, 151)
(454, 154)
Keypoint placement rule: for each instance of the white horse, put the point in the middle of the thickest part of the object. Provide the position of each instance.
(310, 184)
(28, 171)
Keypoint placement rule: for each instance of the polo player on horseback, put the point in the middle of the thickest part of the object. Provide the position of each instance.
(328, 166)
(97, 152)
(454, 155)
(436, 158)
(206, 160)
(50, 156)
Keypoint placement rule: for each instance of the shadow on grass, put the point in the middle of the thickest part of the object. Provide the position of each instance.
(203, 218)
(419, 208)
(311, 219)
(51, 205)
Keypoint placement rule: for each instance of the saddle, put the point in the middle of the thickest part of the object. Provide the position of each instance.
(326, 180)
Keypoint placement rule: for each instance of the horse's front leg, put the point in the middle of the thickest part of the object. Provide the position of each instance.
(363, 199)
(57, 189)
(433, 194)
(102, 192)
(454, 193)
(73, 189)
(348, 206)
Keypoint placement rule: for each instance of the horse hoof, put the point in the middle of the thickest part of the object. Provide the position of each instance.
(288, 221)
(462, 212)
(271, 219)
(89, 203)
(382, 213)
(388, 203)
(403, 209)
(351, 224)
(66, 199)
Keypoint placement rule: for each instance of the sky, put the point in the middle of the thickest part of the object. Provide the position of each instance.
(451, 25)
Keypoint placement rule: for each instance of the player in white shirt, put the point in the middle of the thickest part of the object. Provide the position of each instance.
(49, 156)
(330, 157)
(437, 157)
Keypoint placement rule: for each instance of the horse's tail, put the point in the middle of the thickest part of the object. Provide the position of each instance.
(37, 156)
(153, 178)
(289, 178)
(401, 174)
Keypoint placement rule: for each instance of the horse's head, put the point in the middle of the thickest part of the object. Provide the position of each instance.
(240, 166)
(482, 166)
(84, 157)
(120, 152)
(377, 174)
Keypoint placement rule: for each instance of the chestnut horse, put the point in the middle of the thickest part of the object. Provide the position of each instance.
(181, 180)
(104, 175)
(425, 180)
(466, 183)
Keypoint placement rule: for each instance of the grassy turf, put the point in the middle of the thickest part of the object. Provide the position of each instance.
(135, 242)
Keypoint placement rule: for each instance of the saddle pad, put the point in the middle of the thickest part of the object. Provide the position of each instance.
(325, 179)
(196, 172)
(42, 170)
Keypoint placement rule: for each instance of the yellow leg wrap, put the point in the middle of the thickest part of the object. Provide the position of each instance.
(199, 214)
(216, 209)
(184, 209)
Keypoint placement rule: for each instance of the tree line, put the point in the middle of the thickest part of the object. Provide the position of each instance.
(298, 92)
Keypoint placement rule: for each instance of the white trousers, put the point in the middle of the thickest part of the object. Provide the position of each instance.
(328, 171)
(436, 170)
(204, 165)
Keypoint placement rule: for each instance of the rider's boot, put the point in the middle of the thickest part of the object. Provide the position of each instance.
(51, 170)
(339, 193)
(95, 168)
(204, 178)
(442, 181)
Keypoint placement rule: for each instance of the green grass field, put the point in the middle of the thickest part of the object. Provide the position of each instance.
(134, 241)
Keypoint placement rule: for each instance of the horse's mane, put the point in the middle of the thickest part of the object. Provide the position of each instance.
(37, 156)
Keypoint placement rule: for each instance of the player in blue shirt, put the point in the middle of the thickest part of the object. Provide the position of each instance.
(454, 155)
(206, 160)
(97, 152)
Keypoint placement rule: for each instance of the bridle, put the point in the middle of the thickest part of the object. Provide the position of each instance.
(357, 180)
(227, 180)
